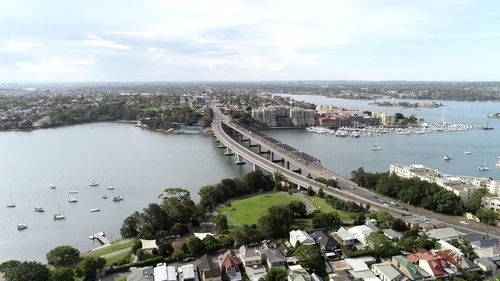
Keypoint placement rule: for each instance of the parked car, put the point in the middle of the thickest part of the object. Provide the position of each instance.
(373, 196)
(464, 222)
(265, 241)
(382, 202)
(404, 208)
(188, 259)
(394, 204)
(253, 244)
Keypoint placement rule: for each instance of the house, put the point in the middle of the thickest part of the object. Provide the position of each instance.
(188, 272)
(437, 266)
(140, 274)
(284, 250)
(489, 252)
(422, 223)
(230, 264)
(298, 273)
(455, 256)
(208, 270)
(300, 236)
(489, 267)
(162, 272)
(361, 232)
(360, 270)
(273, 258)
(410, 270)
(344, 237)
(252, 262)
(388, 272)
(446, 233)
(324, 241)
(392, 234)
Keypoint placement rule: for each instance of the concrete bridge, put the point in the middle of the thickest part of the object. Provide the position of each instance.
(298, 165)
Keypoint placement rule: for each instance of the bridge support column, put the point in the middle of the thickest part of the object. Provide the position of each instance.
(239, 160)
(260, 151)
(298, 171)
(252, 145)
(288, 165)
(222, 145)
(228, 152)
(256, 168)
(276, 160)
(216, 140)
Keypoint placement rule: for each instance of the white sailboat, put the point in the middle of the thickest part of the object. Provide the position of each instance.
(468, 152)
(11, 204)
(95, 210)
(52, 186)
(483, 167)
(22, 226)
(72, 200)
(375, 147)
(59, 215)
(94, 183)
(447, 157)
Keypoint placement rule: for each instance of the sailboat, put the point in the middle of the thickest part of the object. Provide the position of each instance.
(468, 152)
(375, 147)
(52, 186)
(118, 198)
(39, 209)
(11, 204)
(483, 167)
(447, 157)
(487, 123)
(22, 226)
(59, 215)
(94, 183)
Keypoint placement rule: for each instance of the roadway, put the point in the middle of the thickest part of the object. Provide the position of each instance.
(347, 190)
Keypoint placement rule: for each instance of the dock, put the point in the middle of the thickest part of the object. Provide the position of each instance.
(101, 237)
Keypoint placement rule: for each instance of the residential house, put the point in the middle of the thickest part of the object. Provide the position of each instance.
(188, 272)
(162, 272)
(252, 262)
(437, 266)
(230, 264)
(344, 237)
(324, 241)
(455, 256)
(489, 267)
(392, 234)
(298, 273)
(446, 233)
(360, 270)
(140, 274)
(361, 232)
(208, 270)
(273, 258)
(300, 236)
(422, 223)
(388, 272)
(410, 270)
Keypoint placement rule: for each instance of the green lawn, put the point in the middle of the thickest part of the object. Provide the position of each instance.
(113, 248)
(115, 258)
(249, 210)
(327, 208)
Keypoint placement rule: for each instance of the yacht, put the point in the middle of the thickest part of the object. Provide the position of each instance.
(11, 204)
(95, 210)
(59, 215)
(39, 209)
(104, 196)
(497, 165)
(52, 186)
(22, 226)
(375, 147)
(72, 200)
(117, 198)
(110, 187)
(94, 183)
(447, 157)
(73, 192)
(483, 168)
(468, 152)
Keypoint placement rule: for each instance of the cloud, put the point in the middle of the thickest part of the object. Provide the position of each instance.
(94, 40)
(18, 46)
(58, 64)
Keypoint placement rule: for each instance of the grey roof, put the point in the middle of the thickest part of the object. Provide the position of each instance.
(474, 237)
(141, 274)
(485, 243)
(484, 261)
(206, 262)
(392, 233)
(422, 221)
(273, 255)
(443, 233)
(284, 250)
(323, 239)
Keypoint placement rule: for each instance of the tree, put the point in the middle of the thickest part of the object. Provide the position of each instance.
(211, 244)
(8, 265)
(27, 271)
(466, 248)
(195, 246)
(476, 200)
(326, 220)
(221, 224)
(276, 274)
(178, 204)
(62, 274)
(130, 226)
(487, 216)
(63, 255)
(165, 249)
(310, 191)
(381, 245)
(321, 193)
(245, 234)
(179, 229)
(310, 257)
(298, 208)
(89, 267)
(278, 221)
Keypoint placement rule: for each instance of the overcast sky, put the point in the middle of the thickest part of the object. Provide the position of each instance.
(182, 40)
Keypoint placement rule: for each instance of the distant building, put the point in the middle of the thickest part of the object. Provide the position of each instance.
(284, 116)
(410, 270)
(139, 274)
(162, 272)
(388, 272)
(273, 258)
(252, 262)
(208, 270)
(492, 203)
(445, 233)
(230, 264)
(302, 237)
(385, 118)
(422, 223)
(435, 265)
(188, 272)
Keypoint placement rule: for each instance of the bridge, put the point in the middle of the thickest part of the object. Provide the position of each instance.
(301, 169)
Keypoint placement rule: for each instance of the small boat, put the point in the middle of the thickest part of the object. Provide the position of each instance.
(95, 210)
(59, 217)
(110, 187)
(22, 226)
(11, 204)
(117, 198)
(39, 209)
(73, 192)
(72, 200)
(94, 183)
(497, 165)
(52, 186)
(447, 157)
(468, 152)
(483, 168)
(104, 196)
(375, 147)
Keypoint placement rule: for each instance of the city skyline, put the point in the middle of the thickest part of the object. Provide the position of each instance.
(55, 41)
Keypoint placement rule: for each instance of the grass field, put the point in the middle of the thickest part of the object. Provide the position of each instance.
(250, 210)
(113, 248)
(327, 208)
(115, 258)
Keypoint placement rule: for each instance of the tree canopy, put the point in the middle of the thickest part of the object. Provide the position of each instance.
(63, 255)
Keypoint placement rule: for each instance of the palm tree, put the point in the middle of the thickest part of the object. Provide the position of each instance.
(468, 250)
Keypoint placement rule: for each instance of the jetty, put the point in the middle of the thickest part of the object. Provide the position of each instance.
(100, 236)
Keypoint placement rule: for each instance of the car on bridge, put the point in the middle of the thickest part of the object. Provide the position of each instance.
(373, 196)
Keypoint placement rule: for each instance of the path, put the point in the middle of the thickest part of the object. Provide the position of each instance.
(309, 205)
(114, 254)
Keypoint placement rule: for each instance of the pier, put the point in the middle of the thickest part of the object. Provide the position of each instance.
(100, 237)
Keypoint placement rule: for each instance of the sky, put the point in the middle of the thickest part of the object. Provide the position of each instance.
(248, 40)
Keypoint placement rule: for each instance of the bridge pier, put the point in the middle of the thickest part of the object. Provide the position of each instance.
(222, 145)
(251, 145)
(260, 151)
(228, 152)
(256, 168)
(280, 160)
(216, 140)
(298, 171)
(239, 160)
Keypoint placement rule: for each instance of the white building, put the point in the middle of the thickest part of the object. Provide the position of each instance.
(300, 236)
(162, 272)
(361, 232)
(188, 272)
(492, 203)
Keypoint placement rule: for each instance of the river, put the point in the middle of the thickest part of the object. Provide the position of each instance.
(140, 163)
